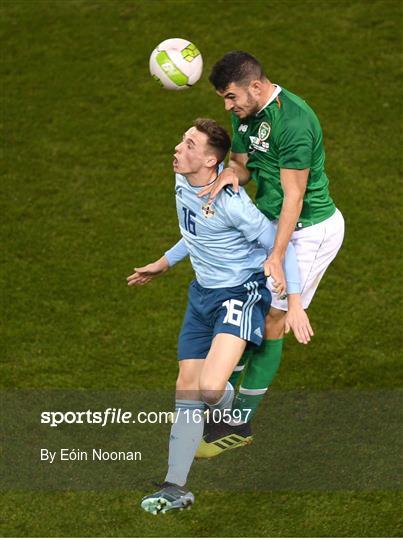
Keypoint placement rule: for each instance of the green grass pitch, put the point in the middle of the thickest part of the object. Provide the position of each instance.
(87, 193)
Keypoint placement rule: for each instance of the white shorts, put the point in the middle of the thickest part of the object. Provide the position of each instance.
(316, 247)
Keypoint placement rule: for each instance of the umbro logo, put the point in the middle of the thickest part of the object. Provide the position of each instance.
(258, 332)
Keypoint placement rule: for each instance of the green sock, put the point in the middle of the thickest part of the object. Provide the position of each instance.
(236, 374)
(259, 375)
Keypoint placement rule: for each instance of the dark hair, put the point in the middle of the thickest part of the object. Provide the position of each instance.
(238, 67)
(217, 136)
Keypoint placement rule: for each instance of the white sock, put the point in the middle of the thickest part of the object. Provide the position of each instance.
(225, 401)
(186, 434)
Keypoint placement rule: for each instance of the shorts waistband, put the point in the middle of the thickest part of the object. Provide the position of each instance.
(303, 225)
(257, 276)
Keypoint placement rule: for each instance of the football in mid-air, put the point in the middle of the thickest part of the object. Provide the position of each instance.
(176, 64)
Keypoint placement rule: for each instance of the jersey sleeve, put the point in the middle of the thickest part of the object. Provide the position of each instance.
(238, 146)
(296, 143)
(178, 252)
(242, 214)
(266, 240)
(291, 270)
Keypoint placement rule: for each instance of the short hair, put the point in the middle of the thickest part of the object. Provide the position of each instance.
(217, 137)
(235, 67)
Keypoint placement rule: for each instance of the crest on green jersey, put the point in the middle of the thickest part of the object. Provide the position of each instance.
(264, 131)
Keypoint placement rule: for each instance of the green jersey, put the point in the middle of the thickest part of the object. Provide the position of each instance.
(286, 134)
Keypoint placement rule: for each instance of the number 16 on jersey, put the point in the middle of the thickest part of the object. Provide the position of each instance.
(189, 222)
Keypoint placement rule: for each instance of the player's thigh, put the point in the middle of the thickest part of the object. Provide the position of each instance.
(317, 252)
(274, 323)
(187, 382)
(238, 314)
(197, 331)
(315, 247)
(225, 353)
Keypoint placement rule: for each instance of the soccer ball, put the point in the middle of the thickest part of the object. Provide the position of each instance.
(176, 64)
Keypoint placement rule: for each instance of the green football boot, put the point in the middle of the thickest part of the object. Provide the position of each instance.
(169, 497)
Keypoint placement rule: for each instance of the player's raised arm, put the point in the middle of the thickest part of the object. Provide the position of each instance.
(293, 183)
(234, 174)
(146, 273)
(177, 253)
(296, 319)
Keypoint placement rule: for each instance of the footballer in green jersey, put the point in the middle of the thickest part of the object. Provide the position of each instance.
(285, 134)
(277, 142)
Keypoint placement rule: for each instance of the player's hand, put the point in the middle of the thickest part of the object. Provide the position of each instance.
(297, 320)
(274, 268)
(226, 178)
(146, 273)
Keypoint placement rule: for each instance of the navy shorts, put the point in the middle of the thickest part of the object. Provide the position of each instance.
(239, 311)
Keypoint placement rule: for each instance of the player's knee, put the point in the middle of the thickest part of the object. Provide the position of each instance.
(274, 323)
(210, 397)
(186, 382)
(211, 390)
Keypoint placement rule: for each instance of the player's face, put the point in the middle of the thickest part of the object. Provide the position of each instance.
(241, 100)
(191, 154)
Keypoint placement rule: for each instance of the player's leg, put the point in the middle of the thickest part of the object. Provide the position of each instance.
(224, 354)
(239, 368)
(186, 434)
(313, 262)
(315, 247)
(241, 317)
(187, 430)
(218, 394)
(261, 369)
(236, 312)
(268, 356)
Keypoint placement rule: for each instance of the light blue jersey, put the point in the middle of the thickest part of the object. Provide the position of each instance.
(221, 238)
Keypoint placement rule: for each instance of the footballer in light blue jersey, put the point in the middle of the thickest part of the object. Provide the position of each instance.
(227, 302)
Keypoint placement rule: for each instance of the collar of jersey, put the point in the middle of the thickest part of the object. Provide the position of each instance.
(199, 187)
(271, 98)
